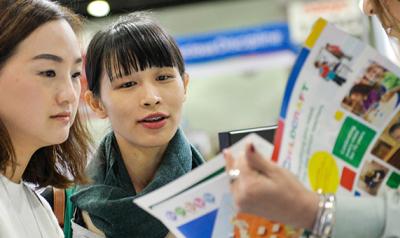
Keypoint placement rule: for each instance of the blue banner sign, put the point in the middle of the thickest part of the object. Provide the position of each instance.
(255, 40)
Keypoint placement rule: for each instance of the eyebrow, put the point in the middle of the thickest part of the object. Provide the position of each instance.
(54, 58)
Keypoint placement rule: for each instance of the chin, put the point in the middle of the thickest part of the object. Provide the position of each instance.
(155, 143)
(59, 139)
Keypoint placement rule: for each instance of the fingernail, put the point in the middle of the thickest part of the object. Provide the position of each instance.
(252, 149)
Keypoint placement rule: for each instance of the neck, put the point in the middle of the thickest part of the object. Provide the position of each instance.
(22, 158)
(140, 162)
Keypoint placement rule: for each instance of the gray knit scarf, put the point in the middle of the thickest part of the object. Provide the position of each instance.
(108, 200)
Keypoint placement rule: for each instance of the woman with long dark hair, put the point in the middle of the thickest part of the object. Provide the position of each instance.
(42, 138)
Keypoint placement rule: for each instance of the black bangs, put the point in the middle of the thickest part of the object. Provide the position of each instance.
(137, 46)
(134, 43)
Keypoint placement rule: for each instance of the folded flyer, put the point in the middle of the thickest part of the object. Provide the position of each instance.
(339, 127)
(199, 204)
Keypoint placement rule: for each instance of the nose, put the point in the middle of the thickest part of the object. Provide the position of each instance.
(68, 91)
(151, 96)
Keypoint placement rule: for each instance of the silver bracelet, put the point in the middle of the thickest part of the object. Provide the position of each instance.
(325, 219)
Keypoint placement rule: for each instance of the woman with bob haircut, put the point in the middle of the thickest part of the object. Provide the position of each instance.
(42, 138)
(137, 79)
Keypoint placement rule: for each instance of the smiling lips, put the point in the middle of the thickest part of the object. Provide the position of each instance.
(154, 121)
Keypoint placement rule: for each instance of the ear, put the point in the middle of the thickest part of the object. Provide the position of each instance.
(367, 7)
(185, 84)
(95, 104)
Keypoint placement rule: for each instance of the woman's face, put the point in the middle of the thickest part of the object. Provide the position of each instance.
(396, 134)
(145, 107)
(40, 86)
(374, 73)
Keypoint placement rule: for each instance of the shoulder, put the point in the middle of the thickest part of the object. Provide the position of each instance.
(44, 212)
(3, 207)
(7, 227)
(32, 195)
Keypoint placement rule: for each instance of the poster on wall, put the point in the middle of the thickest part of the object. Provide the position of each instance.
(345, 14)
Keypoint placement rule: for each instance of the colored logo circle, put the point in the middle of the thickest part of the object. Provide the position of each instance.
(209, 198)
(171, 216)
(323, 172)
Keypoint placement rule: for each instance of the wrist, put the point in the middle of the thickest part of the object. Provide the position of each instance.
(325, 218)
(310, 211)
(306, 212)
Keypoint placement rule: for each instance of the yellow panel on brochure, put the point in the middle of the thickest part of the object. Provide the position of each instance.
(316, 32)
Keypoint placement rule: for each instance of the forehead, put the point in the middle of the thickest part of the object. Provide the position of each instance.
(54, 37)
(375, 67)
(356, 94)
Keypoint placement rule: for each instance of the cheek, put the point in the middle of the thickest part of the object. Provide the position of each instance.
(26, 103)
(119, 108)
(78, 93)
(369, 75)
(397, 135)
(78, 88)
(19, 92)
(176, 99)
(180, 93)
(30, 94)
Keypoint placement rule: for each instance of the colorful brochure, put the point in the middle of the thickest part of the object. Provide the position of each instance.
(339, 127)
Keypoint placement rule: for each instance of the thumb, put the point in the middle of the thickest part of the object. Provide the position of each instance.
(256, 161)
(229, 162)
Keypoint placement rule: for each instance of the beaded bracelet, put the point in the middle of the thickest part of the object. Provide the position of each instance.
(325, 219)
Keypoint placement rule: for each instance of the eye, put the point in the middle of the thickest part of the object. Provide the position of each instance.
(76, 76)
(127, 84)
(48, 73)
(164, 77)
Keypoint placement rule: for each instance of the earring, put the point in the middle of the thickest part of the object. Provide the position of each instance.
(388, 30)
